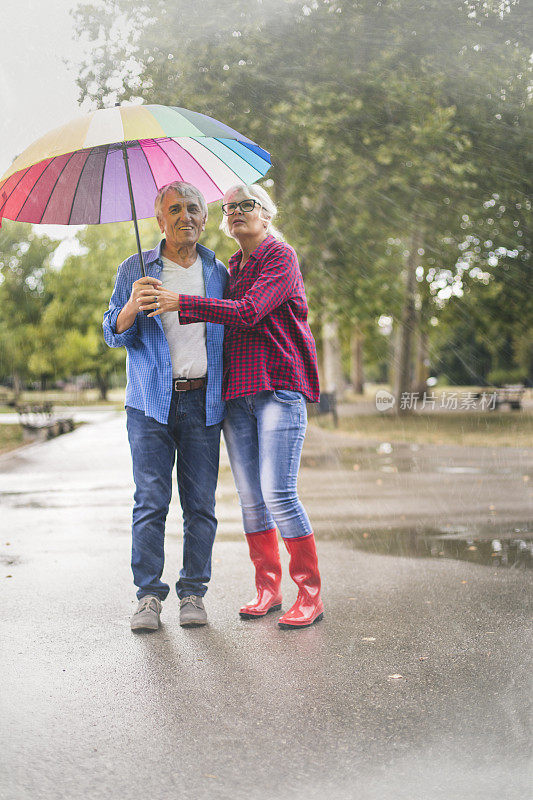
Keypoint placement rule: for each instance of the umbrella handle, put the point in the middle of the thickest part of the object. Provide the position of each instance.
(133, 212)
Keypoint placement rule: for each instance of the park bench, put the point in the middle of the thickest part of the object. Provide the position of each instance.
(510, 395)
(40, 422)
(327, 404)
(6, 397)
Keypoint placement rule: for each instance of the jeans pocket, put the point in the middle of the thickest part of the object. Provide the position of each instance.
(287, 396)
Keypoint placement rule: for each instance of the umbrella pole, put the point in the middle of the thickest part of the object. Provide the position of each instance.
(133, 213)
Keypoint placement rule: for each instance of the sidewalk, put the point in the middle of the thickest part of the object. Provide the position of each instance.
(241, 710)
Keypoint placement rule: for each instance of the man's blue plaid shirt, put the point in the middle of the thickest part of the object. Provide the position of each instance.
(148, 364)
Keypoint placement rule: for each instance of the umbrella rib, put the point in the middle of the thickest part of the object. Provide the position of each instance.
(21, 209)
(55, 184)
(78, 182)
(201, 167)
(4, 204)
(250, 147)
(148, 164)
(34, 184)
(221, 141)
(102, 186)
(157, 142)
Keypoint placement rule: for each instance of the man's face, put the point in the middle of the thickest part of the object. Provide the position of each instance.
(181, 219)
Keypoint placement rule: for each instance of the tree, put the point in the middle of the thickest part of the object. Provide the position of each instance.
(381, 118)
(24, 268)
(70, 331)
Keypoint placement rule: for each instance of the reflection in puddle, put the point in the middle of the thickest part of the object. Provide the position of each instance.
(510, 550)
(452, 469)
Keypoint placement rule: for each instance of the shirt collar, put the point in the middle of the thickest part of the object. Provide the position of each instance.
(256, 255)
(153, 255)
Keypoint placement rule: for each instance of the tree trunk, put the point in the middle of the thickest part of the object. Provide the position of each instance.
(356, 352)
(407, 329)
(394, 349)
(331, 358)
(17, 387)
(102, 385)
(422, 362)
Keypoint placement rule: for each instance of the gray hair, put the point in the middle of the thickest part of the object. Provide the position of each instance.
(268, 207)
(183, 189)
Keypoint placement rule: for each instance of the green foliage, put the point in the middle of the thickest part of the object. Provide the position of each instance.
(388, 124)
(24, 268)
(51, 319)
(80, 294)
(500, 377)
(394, 127)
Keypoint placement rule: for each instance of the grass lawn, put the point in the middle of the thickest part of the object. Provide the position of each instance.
(86, 397)
(10, 437)
(483, 429)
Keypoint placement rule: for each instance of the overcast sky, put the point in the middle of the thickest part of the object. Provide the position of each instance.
(37, 90)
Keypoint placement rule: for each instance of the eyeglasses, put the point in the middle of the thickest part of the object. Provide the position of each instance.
(245, 206)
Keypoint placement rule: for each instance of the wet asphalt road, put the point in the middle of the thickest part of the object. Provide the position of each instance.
(240, 709)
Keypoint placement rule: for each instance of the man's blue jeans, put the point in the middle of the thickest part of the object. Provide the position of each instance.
(154, 448)
(264, 436)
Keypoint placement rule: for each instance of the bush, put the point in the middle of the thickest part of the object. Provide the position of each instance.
(499, 377)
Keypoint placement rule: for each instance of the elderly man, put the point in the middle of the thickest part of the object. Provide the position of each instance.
(173, 402)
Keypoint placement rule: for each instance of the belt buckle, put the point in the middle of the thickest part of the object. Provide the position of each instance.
(178, 381)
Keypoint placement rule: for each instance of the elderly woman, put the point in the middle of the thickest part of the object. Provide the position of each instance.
(270, 368)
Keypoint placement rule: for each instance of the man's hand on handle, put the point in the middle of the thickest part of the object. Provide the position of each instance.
(140, 290)
(157, 300)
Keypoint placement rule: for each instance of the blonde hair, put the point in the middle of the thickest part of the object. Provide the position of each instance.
(268, 207)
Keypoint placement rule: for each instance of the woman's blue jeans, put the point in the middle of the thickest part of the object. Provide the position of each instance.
(154, 448)
(264, 436)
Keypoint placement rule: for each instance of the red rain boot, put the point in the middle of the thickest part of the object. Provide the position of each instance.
(264, 553)
(303, 568)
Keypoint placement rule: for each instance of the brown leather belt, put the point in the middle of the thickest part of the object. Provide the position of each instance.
(184, 385)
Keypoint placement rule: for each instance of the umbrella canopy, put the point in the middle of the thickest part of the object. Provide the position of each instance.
(77, 174)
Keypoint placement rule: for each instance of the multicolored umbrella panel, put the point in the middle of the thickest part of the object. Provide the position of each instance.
(76, 174)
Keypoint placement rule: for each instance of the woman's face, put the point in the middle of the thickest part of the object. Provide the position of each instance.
(241, 223)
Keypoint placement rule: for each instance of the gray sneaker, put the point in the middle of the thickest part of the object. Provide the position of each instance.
(192, 612)
(146, 618)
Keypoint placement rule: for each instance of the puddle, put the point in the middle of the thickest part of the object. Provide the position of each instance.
(512, 548)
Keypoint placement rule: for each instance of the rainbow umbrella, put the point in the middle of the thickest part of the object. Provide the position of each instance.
(107, 166)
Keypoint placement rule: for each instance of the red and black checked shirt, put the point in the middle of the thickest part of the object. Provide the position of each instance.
(267, 340)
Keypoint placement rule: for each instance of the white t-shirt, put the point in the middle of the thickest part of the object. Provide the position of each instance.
(186, 342)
